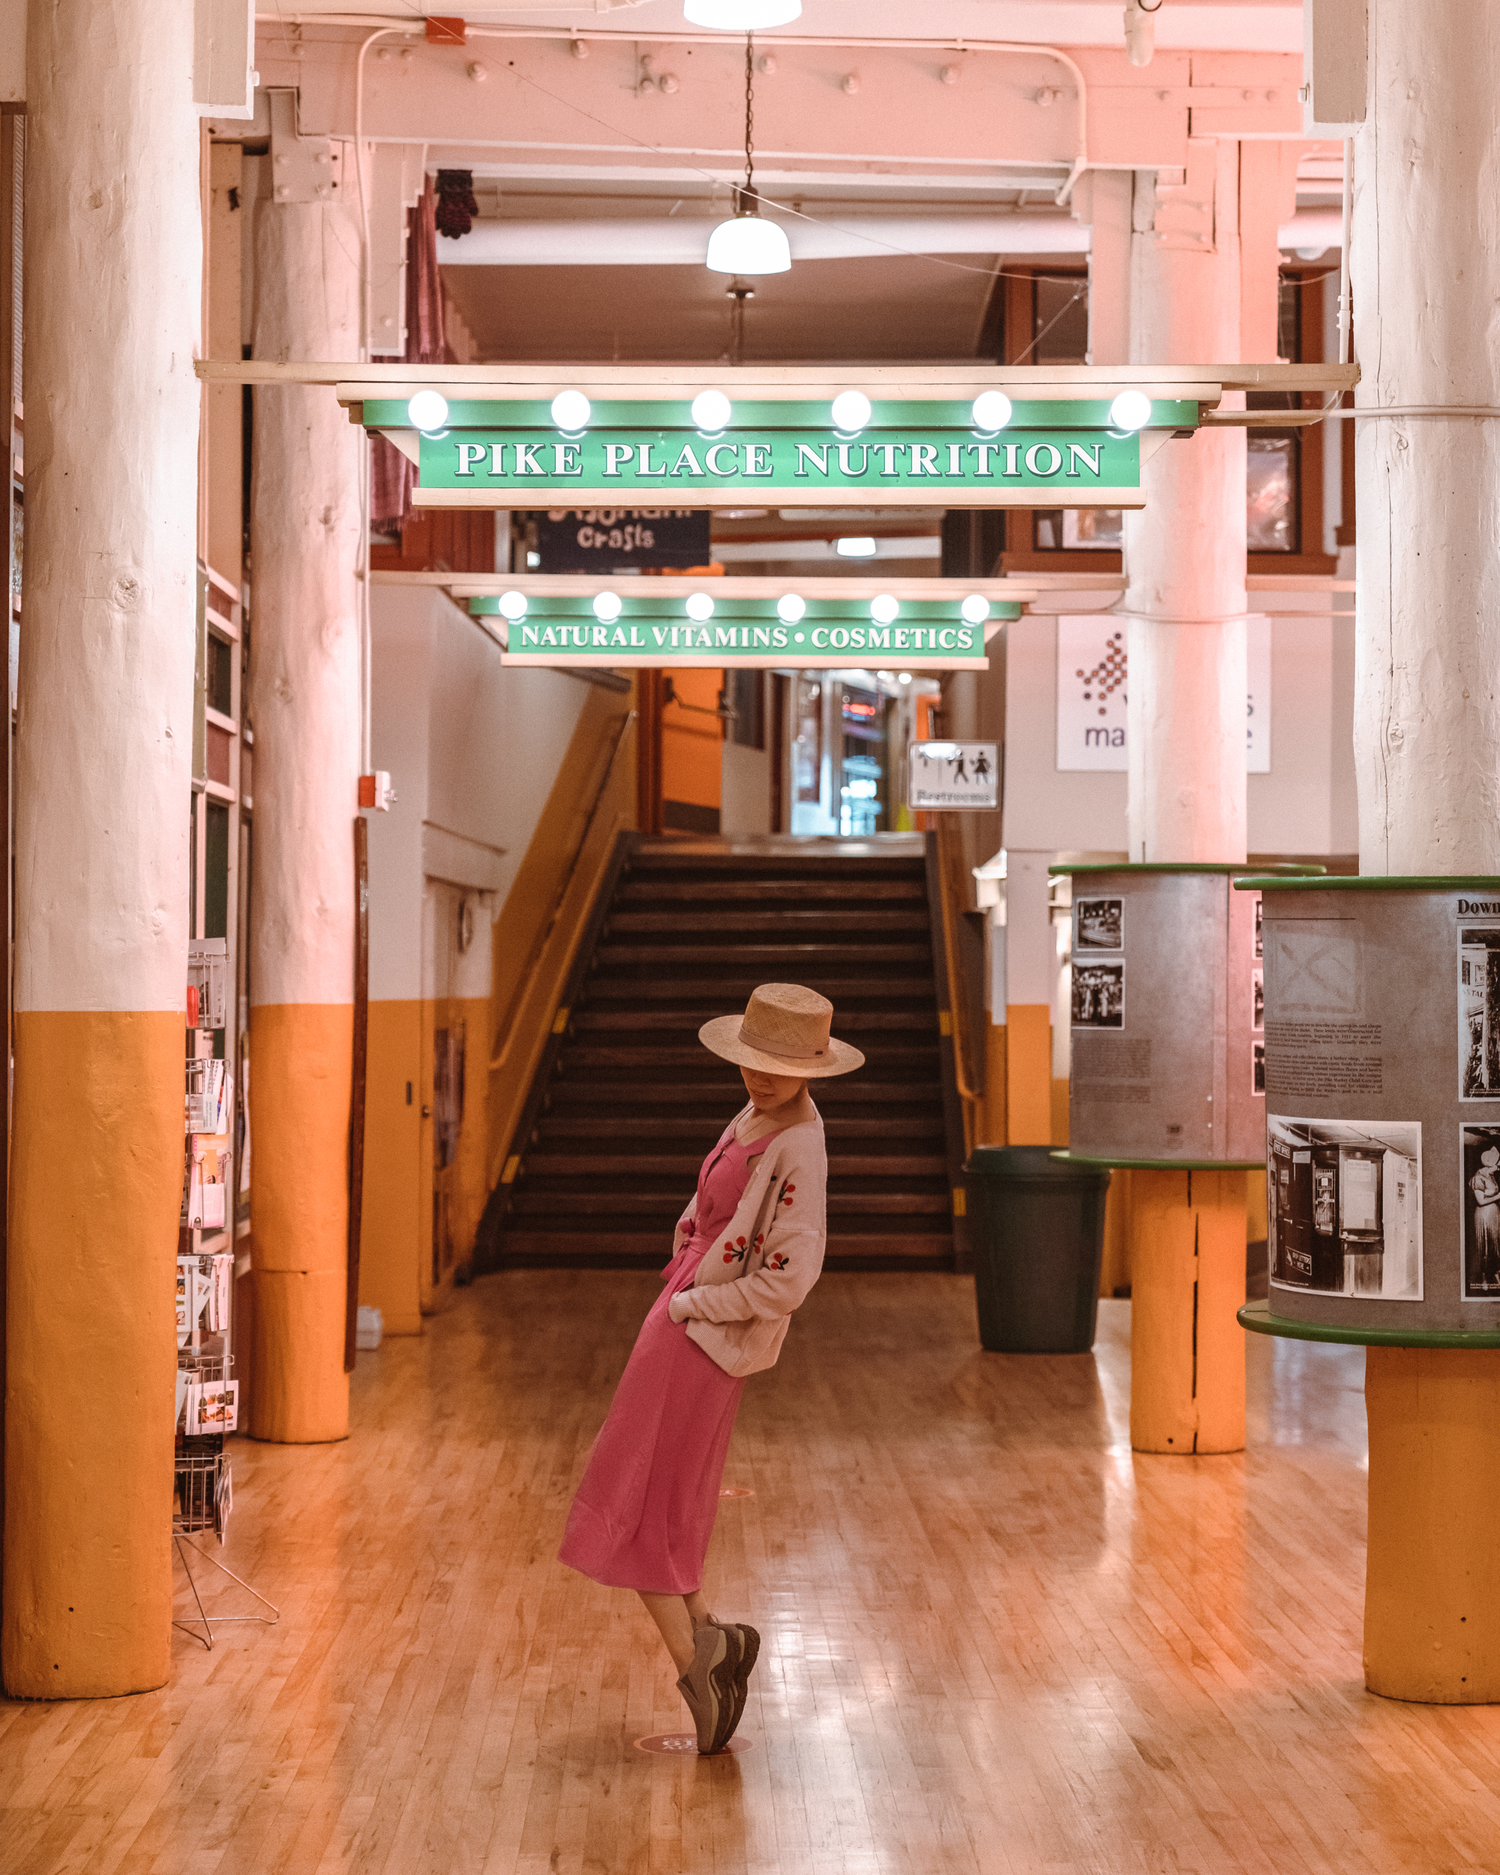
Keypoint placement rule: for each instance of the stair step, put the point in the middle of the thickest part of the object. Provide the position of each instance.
(730, 990)
(525, 1249)
(566, 1200)
(729, 924)
(679, 860)
(723, 955)
(684, 1167)
(587, 1058)
(663, 1128)
(831, 1095)
(761, 890)
(851, 1023)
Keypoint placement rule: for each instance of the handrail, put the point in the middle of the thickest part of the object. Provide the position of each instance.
(957, 989)
(544, 936)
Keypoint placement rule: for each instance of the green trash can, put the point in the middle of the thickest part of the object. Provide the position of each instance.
(1038, 1242)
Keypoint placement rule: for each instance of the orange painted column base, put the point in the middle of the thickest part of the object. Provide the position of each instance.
(302, 1056)
(91, 1350)
(1028, 1074)
(1187, 1276)
(1432, 1582)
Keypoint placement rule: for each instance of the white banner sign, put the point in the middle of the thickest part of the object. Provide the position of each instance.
(952, 774)
(1091, 683)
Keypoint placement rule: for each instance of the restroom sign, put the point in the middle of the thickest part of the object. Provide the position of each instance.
(953, 774)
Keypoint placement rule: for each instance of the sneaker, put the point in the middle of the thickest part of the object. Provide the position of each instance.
(744, 1651)
(708, 1687)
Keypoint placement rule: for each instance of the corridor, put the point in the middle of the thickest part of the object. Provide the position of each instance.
(995, 1640)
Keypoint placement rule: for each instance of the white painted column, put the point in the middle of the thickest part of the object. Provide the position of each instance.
(305, 708)
(103, 792)
(1425, 274)
(1030, 978)
(1185, 552)
(1427, 702)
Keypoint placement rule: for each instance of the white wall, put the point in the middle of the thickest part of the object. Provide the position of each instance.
(1304, 805)
(745, 798)
(473, 750)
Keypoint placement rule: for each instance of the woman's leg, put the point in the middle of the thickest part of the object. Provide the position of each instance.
(675, 1623)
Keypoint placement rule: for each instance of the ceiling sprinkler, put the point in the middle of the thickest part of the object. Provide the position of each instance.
(1140, 30)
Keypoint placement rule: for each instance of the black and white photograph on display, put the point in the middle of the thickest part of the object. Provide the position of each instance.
(1344, 1207)
(1260, 940)
(1258, 1067)
(1257, 999)
(1101, 924)
(1479, 1150)
(1479, 1011)
(1098, 995)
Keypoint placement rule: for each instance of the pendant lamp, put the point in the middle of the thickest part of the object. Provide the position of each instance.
(747, 243)
(741, 16)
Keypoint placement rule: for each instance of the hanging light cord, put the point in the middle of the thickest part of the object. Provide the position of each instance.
(747, 194)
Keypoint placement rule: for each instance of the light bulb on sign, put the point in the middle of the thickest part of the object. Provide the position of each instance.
(571, 410)
(790, 607)
(699, 606)
(1131, 410)
(975, 609)
(513, 605)
(607, 607)
(712, 410)
(851, 410)
(855, 547)
(428, 410)
(904, 678)
(741, 16)
(991, 411)
(884, 608)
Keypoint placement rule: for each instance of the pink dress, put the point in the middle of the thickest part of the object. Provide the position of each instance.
(645, 1509)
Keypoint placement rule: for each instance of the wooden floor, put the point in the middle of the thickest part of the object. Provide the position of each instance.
(993, 1639)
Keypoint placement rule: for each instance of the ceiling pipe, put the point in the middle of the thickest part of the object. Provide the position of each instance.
(680, 241)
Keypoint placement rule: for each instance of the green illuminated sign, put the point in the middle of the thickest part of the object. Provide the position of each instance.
(497, 453)
(699, 629)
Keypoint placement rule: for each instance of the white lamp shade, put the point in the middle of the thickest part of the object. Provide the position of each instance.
(741, 16)
(748, 244)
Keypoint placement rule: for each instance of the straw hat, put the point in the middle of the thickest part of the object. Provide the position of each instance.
(784, 1030)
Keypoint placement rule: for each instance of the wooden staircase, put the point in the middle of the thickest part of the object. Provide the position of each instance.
(628, 1102)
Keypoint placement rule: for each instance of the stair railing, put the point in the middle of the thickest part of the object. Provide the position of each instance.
(969, 1075)
(547, 960)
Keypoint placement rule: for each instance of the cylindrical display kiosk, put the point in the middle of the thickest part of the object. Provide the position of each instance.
(1383, 1129)
(1382, 1065)
(1167, 1081)
(1166, 1022)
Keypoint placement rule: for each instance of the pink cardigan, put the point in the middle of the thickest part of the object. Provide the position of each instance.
(767, 1258)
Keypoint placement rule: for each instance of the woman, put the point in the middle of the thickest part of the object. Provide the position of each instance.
(745, 1253)
(1485, 1185)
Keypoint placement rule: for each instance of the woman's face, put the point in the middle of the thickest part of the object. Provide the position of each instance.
(769, 1091)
